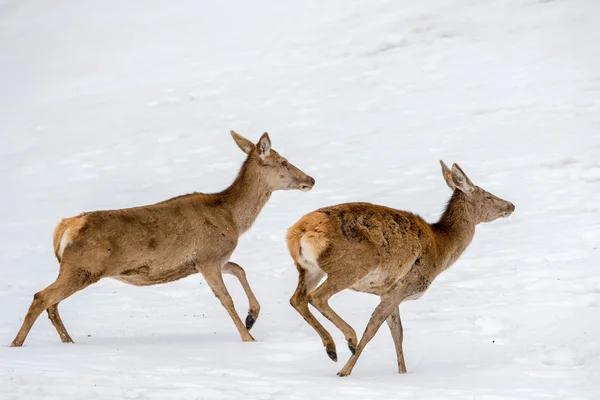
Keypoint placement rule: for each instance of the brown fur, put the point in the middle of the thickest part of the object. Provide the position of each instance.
(169, 240)
(382, 251)
(73, 224)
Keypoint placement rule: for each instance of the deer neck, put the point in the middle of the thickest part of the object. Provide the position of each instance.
(246, 196)
(455, 230)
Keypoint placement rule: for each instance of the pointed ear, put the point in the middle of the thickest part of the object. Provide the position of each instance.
(447, 175)
(263, 147)
(461, 180)
(242, 142)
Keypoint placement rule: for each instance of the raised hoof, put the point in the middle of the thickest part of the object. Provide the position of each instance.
(332, 354)
(250, 322)
(352, 350)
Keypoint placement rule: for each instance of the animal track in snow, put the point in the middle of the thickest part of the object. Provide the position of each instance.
(559, 163)
(489, 325)
(561, 356)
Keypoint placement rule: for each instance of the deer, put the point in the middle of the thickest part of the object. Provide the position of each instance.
(169, 240)
(378, 250)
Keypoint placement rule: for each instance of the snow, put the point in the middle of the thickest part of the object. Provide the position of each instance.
(114, 104)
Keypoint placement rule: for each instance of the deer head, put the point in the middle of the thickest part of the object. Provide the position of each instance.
(276, 170)
(485, 206)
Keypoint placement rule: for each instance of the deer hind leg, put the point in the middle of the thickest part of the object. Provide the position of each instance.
(395, 325)
(308, 280)
(69, 281)
(254, 309)
(381, 313)
(54, 317)
(214, 278)
(319, 298)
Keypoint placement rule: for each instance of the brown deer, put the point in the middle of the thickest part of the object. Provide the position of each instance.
(386, 252)
(170, 240)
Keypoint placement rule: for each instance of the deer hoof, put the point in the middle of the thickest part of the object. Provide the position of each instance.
(332, 354)
(16, 344)
(248, 338)
(250, 322)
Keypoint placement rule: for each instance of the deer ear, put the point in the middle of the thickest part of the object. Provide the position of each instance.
(461, 180)
(242, 142)
(263, 147)
(447, 175)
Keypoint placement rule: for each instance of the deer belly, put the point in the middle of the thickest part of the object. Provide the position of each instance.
(375, 282)
(145, 275)
(415, 296)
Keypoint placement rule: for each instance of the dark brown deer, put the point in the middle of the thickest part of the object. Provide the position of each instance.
(386, 252)
(170, 240)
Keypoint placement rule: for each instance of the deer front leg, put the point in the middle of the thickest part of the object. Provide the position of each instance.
(395, 325)
(382, 311)
(254, 309)
(214, 278)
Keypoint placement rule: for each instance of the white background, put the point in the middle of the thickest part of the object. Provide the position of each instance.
(112, 104)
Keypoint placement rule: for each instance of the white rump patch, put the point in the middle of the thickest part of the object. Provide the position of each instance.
(64, 242)
(308, 256)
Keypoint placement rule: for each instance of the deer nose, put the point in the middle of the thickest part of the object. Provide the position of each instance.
(510, 208)
(310, 182)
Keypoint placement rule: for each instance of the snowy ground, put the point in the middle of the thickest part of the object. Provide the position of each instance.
(110, 104)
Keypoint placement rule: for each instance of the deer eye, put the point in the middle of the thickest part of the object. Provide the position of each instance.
(284, 164)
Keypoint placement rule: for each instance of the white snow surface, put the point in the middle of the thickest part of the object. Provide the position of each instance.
(111, 104)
